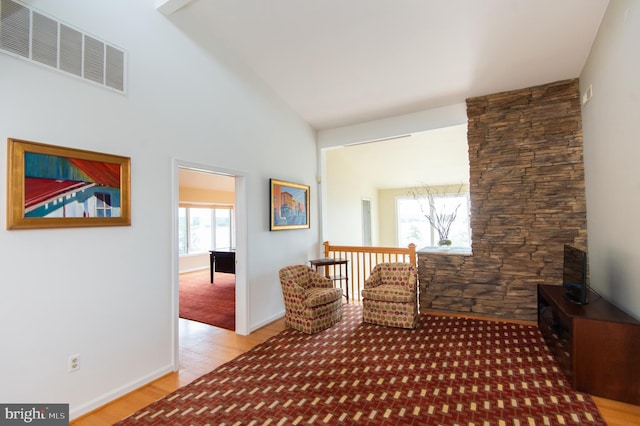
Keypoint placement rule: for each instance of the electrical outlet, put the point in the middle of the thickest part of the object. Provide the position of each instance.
(73, 362)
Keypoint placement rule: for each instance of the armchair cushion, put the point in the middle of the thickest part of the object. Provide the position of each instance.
(389, 293)
(317, 296)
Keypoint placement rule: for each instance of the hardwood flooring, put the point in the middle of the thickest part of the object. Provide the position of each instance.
(203, 348)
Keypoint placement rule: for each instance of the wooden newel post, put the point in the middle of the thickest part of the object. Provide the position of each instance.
(412, 254)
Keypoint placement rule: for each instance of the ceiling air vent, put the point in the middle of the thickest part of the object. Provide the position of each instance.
(33, 36)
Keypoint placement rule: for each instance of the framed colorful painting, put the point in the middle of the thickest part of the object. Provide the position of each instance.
(50, 186)
(289, 205)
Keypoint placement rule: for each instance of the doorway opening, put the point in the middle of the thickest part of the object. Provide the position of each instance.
(216, 201)
(206, 247)
(366, 222)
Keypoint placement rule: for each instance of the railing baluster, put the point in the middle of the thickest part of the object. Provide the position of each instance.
(363, 259)
(355, 265)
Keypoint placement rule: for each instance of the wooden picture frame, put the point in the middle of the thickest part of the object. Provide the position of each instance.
(289, 205)
(51, 186)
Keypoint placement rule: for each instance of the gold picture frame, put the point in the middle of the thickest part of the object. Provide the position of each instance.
(289, 205)
(51, 186)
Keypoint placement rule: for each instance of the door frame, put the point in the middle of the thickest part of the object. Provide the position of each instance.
(240, 210)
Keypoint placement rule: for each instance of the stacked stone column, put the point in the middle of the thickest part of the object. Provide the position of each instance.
(527, 201)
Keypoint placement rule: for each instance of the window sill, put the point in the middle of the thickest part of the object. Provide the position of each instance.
(460, 251)
(194, 254)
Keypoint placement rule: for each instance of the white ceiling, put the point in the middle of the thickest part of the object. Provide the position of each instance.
(190, 178)
(342, 62)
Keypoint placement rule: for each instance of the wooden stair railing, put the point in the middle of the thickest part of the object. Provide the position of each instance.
(362, 260)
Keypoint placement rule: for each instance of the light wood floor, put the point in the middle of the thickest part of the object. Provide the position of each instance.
(203, 348)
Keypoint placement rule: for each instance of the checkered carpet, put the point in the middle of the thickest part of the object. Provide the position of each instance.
(449, 371)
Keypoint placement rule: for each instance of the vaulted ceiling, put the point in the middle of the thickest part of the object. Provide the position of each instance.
(342, 62)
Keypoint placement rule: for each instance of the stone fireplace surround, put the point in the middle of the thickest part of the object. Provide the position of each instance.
(527, 200)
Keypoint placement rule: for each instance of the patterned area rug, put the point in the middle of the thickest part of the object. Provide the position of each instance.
(206, 302)
(449, 371)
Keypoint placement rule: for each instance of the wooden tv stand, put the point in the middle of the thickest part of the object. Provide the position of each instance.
(597, 345)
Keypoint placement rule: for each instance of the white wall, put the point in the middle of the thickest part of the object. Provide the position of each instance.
(611, 155)
(107, 293)
(346, 188)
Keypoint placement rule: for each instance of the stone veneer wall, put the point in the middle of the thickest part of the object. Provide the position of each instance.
(527, 200)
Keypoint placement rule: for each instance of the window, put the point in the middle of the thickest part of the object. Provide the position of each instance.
(103, 204)
(413, 226)
(201, 229)
(222, 230)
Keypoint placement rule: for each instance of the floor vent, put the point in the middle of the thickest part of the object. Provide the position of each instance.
(33, 36)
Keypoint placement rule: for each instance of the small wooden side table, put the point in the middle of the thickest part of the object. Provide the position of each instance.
(340, 270)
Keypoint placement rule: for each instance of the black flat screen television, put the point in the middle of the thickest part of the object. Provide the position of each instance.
(574, 275)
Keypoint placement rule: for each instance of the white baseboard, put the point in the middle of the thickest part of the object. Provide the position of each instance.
(75, 412)
(99, 402)
(267, 321)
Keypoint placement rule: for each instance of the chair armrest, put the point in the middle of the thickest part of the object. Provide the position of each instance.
(412, 283)
(293, 294)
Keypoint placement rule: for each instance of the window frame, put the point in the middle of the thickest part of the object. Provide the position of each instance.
(187, 227)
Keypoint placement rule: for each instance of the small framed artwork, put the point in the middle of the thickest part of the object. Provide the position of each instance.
(289, 205)
(55, 187)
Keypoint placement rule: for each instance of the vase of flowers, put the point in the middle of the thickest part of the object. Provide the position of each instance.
(444, 244)
(440, 217)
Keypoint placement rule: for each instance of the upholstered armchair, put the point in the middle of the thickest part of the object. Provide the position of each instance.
(311, 302)
(390, 296)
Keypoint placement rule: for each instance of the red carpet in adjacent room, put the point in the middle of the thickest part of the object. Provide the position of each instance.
(202, 301)
(449, 371)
